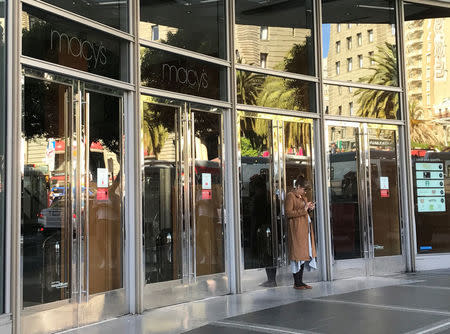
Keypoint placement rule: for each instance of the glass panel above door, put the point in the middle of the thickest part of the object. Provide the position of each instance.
(57, 40)
(275, 92)
(275, 35)
(170, 71)
(359, 41)
(360, 102)
(113, 13)
(196, 25)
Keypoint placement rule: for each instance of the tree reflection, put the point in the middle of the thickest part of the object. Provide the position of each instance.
(379, 103)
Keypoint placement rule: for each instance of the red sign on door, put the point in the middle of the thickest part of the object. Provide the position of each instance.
(206, 194)
(102, 194)
(384, 193)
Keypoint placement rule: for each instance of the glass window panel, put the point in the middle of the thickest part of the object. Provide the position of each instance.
(181, 74)
(160, 192)
(373, 32)
(57, 40)
(365, 102)
(193, 25)
(275, 92)
(46, 178)
(429, 112)
(287, 37)
(385, 202)
(344, 183)
(113, 13)
(105, 199)
(2, 150)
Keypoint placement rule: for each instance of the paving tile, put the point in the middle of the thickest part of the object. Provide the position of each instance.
(437, 281)
(337, 318)
(212, 329)
(401, 296)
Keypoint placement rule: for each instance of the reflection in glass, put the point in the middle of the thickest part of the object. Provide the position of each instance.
(2, 149)
(298, 153)
(384, 192)
(256, 192)
(208, 197)
(275, 92)
(57, 40)
(193, 25)
(113, 13)
(274, 152)
(105, 193)
(429, 111)
(177, 73)
(182, 206)
(369, 31)
(162, 228)
(46, 176)
(344, 201)
(361, 102)
(281, 31)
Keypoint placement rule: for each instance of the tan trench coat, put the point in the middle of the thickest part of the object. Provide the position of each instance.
(298, 228)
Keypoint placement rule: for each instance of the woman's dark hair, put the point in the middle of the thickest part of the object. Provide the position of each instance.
(302, 182)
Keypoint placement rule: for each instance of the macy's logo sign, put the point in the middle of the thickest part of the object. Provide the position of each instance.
(185, 76)
(78, 48)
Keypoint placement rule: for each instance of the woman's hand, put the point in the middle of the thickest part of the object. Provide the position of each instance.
(311, 205)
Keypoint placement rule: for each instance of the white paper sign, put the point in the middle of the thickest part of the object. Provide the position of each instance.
(206, 181)
(102, 178)
(384, 182)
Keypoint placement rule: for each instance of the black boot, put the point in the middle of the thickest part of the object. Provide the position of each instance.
(297, 284)
(300, 275)
(300, 278)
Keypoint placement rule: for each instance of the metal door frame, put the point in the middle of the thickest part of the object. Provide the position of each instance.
(190, 286)
(250, 277)
(84, 308)
(391, 263)
(367, 264)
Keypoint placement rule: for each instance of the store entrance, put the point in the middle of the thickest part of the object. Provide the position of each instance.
(183, 212)
(72, 203)
(274, 150)
(365, 215)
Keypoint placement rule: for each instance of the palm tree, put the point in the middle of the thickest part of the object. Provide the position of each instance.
(275, 94)
(380, 103)
(423, 132)
(248, 85)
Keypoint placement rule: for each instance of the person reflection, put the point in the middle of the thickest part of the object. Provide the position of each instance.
(261, 227)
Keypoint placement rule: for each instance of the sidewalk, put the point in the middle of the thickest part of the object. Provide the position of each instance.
(406, 303)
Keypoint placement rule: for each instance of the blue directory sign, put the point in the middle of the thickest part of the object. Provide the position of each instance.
(430, 187)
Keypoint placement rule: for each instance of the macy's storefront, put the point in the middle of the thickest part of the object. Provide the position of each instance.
(145, 162)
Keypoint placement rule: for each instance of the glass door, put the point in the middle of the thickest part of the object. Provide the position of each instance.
(274, 150)
(184, 230)
(364, 199)
(71, 185)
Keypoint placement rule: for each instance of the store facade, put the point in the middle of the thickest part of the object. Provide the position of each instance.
(147, 148)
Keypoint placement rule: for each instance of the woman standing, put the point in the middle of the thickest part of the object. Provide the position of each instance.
(302, 249)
